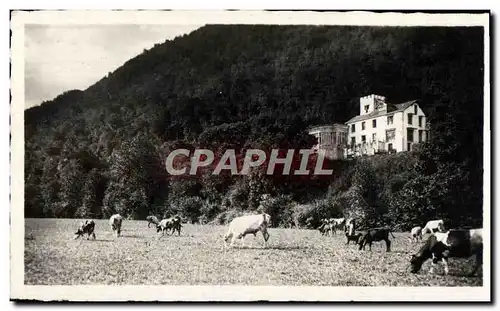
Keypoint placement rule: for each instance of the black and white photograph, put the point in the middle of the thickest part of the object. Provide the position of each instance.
(237, 155)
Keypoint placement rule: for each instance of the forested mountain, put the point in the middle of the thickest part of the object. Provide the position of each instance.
(102, 150)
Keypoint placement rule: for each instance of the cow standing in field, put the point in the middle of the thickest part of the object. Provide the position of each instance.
(250, 224)
(433, 226)
(172, 223)
(338, 223)
(176, 224)
(416, 234)
(326, 228)
(152, 220)
(115, 222)
(330, 226)
(354, 238)
(454, 243)
(375, 235)
(86, 227)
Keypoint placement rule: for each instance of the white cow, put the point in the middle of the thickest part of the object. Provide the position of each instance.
(432, 226)
(250, 224)
(416, 234)
(115, 222)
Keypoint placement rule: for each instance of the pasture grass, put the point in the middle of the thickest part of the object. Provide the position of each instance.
(196, 257)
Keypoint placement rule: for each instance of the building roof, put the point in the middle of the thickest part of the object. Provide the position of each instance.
(330, 127)
(390, 110)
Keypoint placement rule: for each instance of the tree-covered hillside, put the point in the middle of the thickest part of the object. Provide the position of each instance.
(102, 150)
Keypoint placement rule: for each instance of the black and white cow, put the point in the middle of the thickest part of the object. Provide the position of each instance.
(87, 228)
(338, 223)
(375, 235)
(451, 244)
(416, 234)
(172, 223)
(326, 227)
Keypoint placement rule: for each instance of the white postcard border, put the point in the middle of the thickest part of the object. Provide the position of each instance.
(227, 293)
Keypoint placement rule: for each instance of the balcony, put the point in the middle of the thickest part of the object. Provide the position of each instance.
(366, 148)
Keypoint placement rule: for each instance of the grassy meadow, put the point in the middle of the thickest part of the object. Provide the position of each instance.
(196, 257)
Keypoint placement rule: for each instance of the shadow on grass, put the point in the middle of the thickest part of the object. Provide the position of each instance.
(91, 240)
(274, 247)
(161, 237)
(133, 236)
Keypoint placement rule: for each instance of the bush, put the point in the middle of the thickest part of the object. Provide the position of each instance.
(187, 207)
(279, 208)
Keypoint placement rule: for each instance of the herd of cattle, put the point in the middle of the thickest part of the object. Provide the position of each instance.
(439, 246)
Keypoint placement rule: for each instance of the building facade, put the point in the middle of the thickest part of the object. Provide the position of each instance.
(384, 127)
(331, 140)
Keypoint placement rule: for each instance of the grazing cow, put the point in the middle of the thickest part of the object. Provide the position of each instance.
(327, 229)
(460, 243)
(152, 220)
(375, 235)
(338, 223)
(176, 224)
(331, 225)
(416, 234)
(249, 224)
(172, 223)
(433, 226)
(115, 222)
(354, 238)
(86, 227)
(163, 226)
(350, 226)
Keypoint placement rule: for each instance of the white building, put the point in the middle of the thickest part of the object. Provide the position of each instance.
(331, 140)
(384, 127)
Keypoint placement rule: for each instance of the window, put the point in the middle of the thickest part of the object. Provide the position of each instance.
(409, 147)
(363, 126)
(390, 135)
(390, 120)
(363, 138)
(409, 135)
(374, 123)
(374, 137)
(366, 108)
(410, 118)
(416, 109)
(420, 136)
(353, 141)
(420, 121)
(353, 129)
(389, 146)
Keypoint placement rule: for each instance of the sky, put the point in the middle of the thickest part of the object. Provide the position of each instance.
(62, 58)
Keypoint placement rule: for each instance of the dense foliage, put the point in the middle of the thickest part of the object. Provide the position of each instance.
(96, 152)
